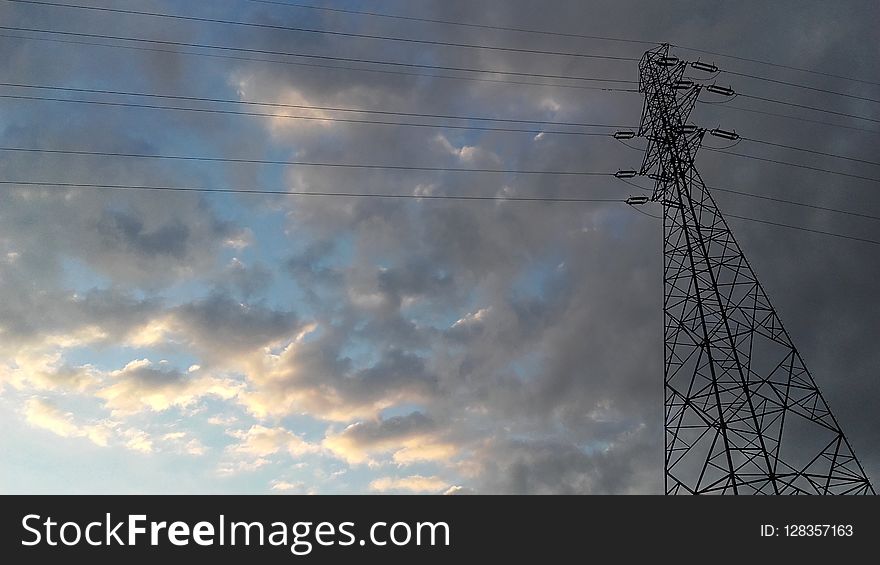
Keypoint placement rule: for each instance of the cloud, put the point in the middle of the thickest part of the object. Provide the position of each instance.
(469, 154)
(281, 127)
(181, 442)
(221, 420)
(285, 486)
(45, 371)
(245, 280)
(141, 385)
(408, 439)
(125, 232)
(260, 442)
(413, 483)
(472, 318)
(539, 466)
(45, 320)
(231, 468)
(260, 446)
(311, 377)
(218, 327)
(135, 240)
(138, 440)
(516, 376)
(43, 414)
(219, 323)
(457, 490)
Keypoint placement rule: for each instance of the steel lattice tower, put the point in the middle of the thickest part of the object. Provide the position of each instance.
(742, 413)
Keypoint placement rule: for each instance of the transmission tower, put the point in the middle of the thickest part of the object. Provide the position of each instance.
(742, 413)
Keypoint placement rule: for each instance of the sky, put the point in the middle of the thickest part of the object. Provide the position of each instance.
(160, 342)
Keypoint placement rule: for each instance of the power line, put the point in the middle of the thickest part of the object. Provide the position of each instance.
(804, 106)
(323, 31)
(309, 65)
(455, 127)
(425, 125)
(309, 118)
(346, 120)
(312, 56)
(798, 165)
(777, 65)
(308, 106)
(793, 202)
(803, 86)
(773, 199)
(310, 193)
(489, 129)
(550, 33)
(360, 195)
(299, 163)
(796, 118)
(326, 57)
(437, 67)
(643, 213)
(800, 228)
(812, 151)
(450, 22)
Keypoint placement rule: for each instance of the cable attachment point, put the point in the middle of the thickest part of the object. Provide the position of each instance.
(724, 134)
(705, 67)
(668, 61)
(722, 90)
(637, 200)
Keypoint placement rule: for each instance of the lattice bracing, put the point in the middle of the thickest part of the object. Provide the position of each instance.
(743, 415)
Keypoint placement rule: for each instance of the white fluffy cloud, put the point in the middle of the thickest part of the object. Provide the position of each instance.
(310, 377)
(43, 414)
(412, 483)
(260, 441)
(141, 385)
(407, 440)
